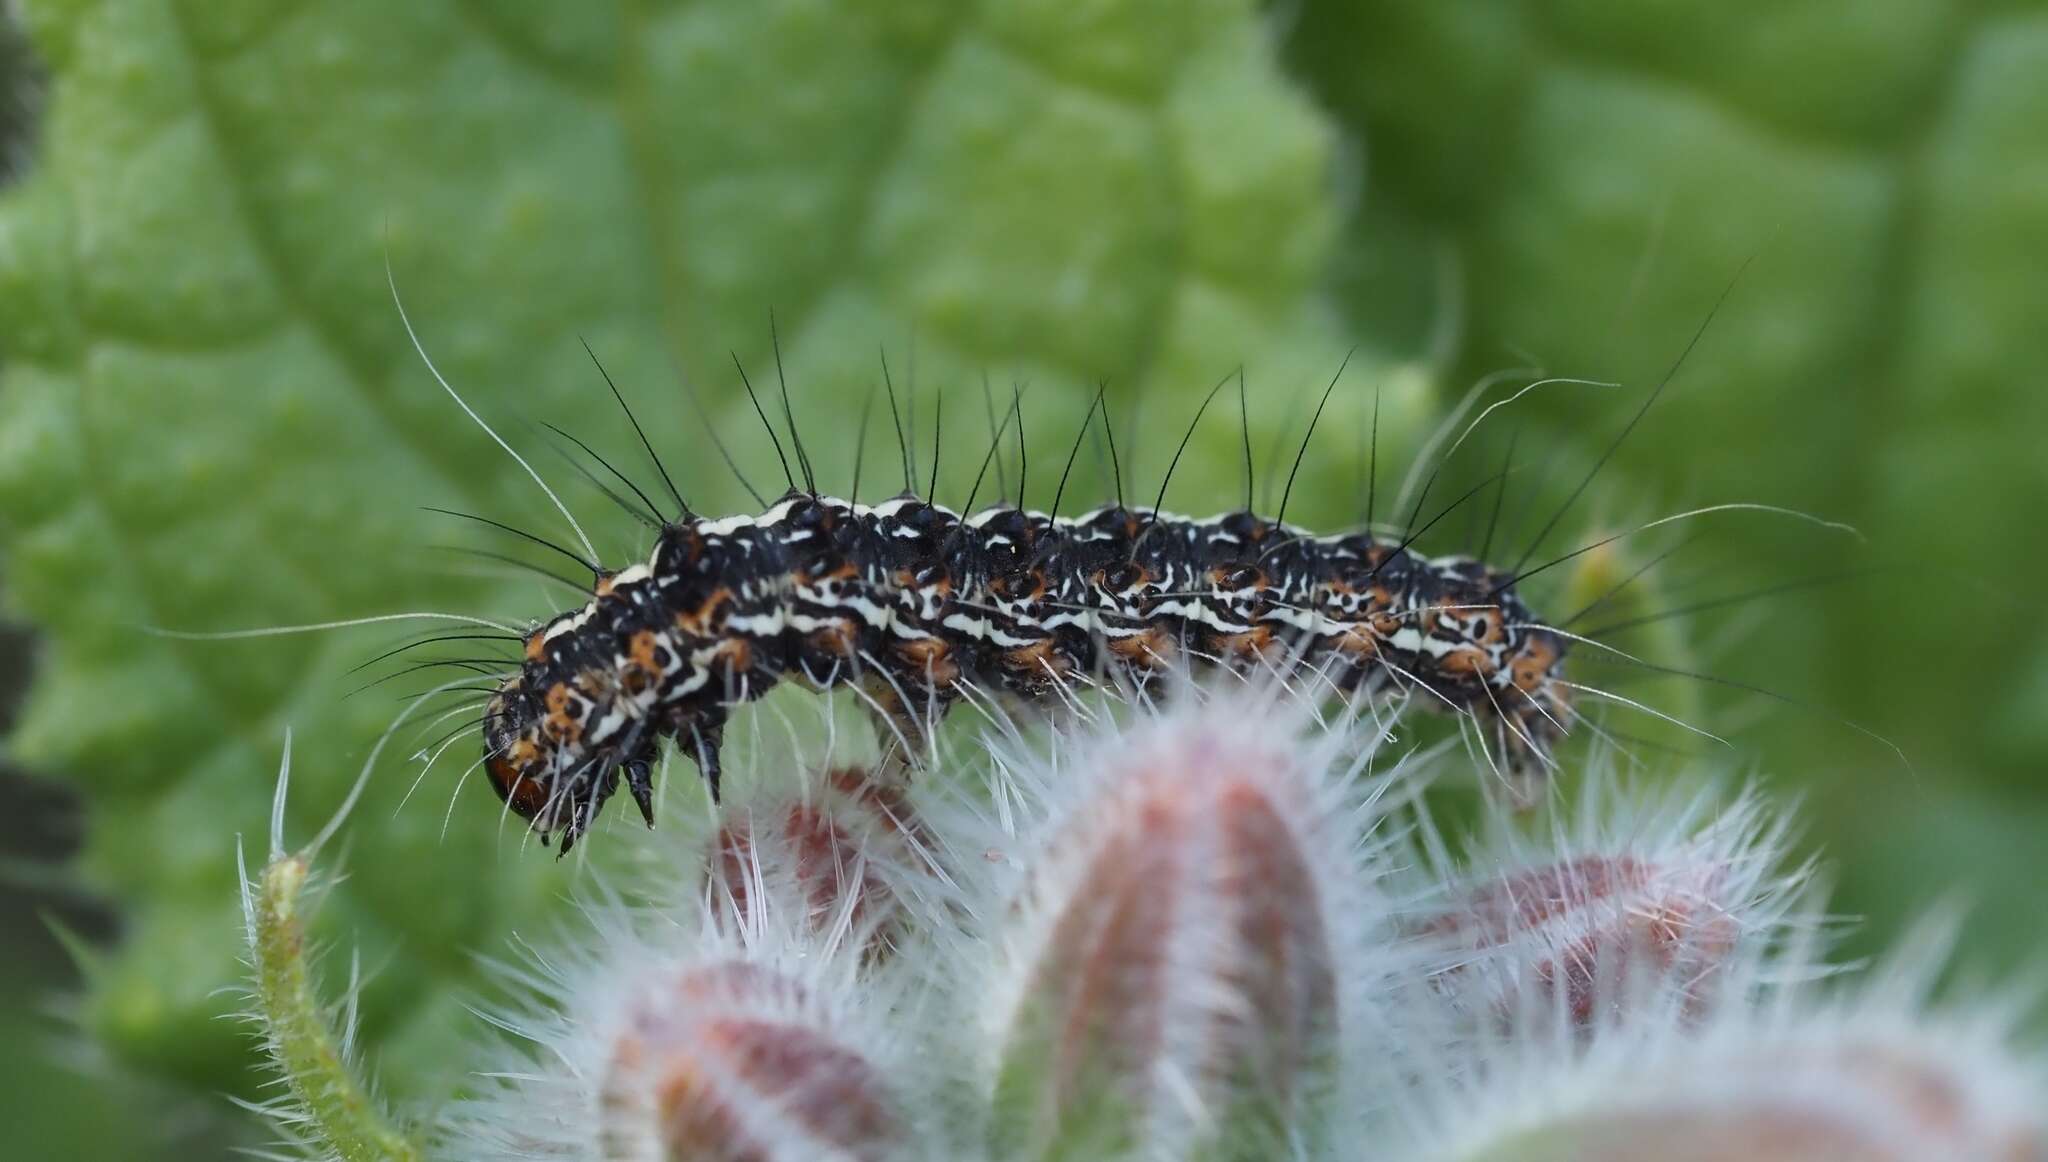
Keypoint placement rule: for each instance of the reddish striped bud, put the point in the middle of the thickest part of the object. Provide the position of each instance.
(731, 1062)
(1168, 977)
(848, 846)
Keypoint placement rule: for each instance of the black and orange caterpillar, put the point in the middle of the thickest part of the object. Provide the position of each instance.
(917, 603)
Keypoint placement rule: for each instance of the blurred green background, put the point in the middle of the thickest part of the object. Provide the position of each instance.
(210, 417)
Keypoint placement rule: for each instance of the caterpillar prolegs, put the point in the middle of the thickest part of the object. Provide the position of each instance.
(917, 603)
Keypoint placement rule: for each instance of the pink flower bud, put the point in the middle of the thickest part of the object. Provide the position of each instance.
(847, 845)
(1628, 905)
(722, 1064)
(1568, 929)
(1170, 975)
(730, 1038)
(1811, 1070)
(1813, 1092)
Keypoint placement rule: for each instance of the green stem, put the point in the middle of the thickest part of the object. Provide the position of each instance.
(337, 1104)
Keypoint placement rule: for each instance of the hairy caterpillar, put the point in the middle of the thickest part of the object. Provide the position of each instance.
(915, 605)
(914, 602)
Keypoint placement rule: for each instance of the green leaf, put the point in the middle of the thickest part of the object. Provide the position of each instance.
(211, 418)
(1600, 173)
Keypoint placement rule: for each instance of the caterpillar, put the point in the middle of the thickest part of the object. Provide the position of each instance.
(916, 603)
(917, 606)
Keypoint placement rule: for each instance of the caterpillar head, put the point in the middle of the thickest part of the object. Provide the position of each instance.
(556, 783)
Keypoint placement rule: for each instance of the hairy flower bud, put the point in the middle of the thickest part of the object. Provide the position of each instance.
(729, 1062)
(748, 1037)
(1170, 973)
(1807, 1094)
(1630, 897)
(1813, 1072)
(848, 843)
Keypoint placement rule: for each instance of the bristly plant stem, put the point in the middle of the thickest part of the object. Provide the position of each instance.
(342, 1111)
